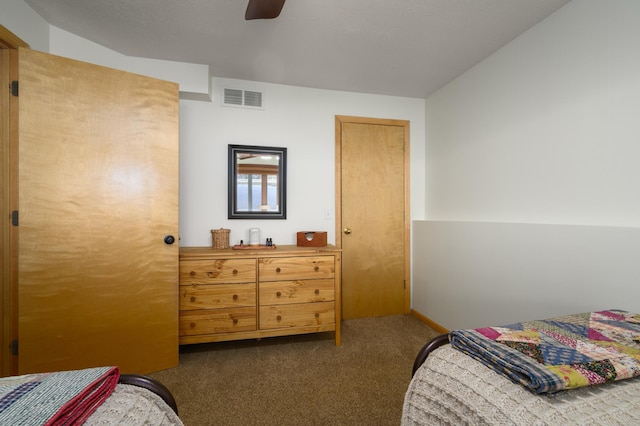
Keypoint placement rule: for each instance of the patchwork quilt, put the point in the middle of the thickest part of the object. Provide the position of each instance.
(557, 354)
(60, 398)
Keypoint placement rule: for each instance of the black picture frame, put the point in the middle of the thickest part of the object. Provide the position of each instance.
(270, 173)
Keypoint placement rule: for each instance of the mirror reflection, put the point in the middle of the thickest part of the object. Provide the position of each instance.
(257, 182)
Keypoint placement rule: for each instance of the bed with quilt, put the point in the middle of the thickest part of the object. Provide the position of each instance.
(579, 369)
(92, 396)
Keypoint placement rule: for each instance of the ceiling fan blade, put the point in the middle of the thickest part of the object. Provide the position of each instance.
(263, 9)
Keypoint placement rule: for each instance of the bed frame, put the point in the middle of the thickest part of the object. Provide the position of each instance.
(431, 346)
(430, 397)
(152, 385)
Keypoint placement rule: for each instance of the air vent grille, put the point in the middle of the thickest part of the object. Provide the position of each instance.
(242, 98)
(233, 97)
(253, 99)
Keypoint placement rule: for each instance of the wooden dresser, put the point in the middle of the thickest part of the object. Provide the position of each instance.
(242, 294)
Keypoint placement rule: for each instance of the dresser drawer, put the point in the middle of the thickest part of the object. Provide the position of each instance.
(296, 268)
(217, 271)
(297, 315)
(208, 321)
(299, 291)
(226, 294)
(203, 296)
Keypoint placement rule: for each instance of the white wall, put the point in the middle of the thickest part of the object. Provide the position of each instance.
(303, 121)
(545, 131)
(193, 79)
(24, 22)
(475, 274)
(300, 119)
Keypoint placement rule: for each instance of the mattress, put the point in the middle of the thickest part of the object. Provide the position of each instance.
(453, 388)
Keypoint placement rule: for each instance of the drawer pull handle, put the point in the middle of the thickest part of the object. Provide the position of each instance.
(193, 298)
(317, 268)
(192, 325)
(192, 273)
(317, 315)
(235, 321)
(279, 318)
(278, 294)
(235, 272)
(277, 269)
(235, 297)
(317, 291)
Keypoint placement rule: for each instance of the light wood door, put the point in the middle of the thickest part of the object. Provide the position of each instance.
(9, 44)
(98, 192)
(372, 224)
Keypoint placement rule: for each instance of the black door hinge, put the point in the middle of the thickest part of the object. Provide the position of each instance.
(14, 87)
(14, 218)
(14, 347)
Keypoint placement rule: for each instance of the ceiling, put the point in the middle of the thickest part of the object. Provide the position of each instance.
(404, 48)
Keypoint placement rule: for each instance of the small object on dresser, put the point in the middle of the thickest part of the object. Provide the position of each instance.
(220, 238)
(312, 239)
(254, 236)
(249, 248)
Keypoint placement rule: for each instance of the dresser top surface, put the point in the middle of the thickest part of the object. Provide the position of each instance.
(284, 250)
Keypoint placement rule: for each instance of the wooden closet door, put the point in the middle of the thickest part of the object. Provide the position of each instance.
(373, 218)
(98, 192)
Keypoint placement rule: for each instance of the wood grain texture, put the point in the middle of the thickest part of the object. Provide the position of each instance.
(200, 296)
(375, 208)
(210, 321)
(193, 253)
(298, 291)
(303, 267)
(295, 291)
(98, 192)
(9, 40)
(297, 315)
(9, 203)
(218, 271)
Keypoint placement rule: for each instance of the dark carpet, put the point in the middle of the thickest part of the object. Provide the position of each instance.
(301, 380)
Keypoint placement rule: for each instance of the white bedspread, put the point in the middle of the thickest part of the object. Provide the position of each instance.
(452, 388)
(132, 405)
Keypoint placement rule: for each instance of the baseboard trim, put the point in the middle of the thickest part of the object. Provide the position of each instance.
(429, 322)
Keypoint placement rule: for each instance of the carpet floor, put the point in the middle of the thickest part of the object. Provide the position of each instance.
(300, 380)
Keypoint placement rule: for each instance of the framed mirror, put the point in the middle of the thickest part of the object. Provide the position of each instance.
(257, 182)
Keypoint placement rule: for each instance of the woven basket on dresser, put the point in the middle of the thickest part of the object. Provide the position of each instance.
(220, 238)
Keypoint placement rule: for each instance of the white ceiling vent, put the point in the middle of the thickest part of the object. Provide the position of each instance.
(242, 98)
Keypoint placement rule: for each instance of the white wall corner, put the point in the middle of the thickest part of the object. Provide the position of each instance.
(25, 23)
(193, 79)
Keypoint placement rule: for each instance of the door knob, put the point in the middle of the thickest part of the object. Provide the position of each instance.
(169, 239)
(347, 230)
